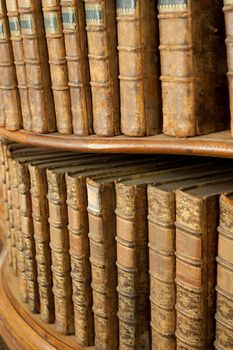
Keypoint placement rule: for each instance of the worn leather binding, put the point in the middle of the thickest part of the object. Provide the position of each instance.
(187, 40)
(37, 66)
(79, 253)
(28, 237)
(59, 243)
(2, 114)
(141, 110)
(58, 65)
(196, 249)
(21, 268)
(228, 11)
(101, 28)
(18, 52)
(8, 80)
(224, 320)
(132, 265)
(42, 239)
(73, 21)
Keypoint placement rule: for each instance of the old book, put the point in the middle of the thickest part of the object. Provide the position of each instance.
(102, 231)
(40, 216)
(18, 52)
(2, 114)
(139, 68)
(8, 80)
(197, 218)
(37, 66)
(188, 75)
(224, 321)
(161, 226)
(101, 28)
(58, 65)
(73, 21)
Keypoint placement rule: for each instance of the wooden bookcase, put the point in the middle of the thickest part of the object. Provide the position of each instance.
(22, 330)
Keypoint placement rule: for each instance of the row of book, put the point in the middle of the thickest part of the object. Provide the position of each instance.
(94, 66)
(116, 248)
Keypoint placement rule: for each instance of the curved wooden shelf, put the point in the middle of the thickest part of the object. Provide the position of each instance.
(218, 144)
(19, 328)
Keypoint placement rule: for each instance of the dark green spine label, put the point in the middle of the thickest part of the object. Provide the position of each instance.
(14, 26)
(51, 23)
(68, 18)
(126, 7)
(2, 30)
(27, 24)
(94, 14)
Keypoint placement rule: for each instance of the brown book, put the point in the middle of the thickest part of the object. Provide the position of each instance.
(161, 217)
(224, 320)
(140, 89)
(2, 114)
(73, 21)
(102, 52)
(8, 80)
(197, 218)
(58, 65)
(37, 66)
(187, 41)
(18, 52)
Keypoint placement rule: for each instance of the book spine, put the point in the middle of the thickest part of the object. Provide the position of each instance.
(132, 265)
(18, 53)
(28, 237)
(228, 11)
(161, 217)
(139, 72)
(21, 268)
(73, 21)
(5, 204)
(196, 227)
(42, 239)
(58, 65)
(37, 66)
(2, 113)
(8, 80)
(102, 232)
(224, 288)
(177, 69)
(9, 212)
(103, 61)
(80, 264)
(59, 244)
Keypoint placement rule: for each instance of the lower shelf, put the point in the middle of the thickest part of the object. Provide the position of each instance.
(20, 329)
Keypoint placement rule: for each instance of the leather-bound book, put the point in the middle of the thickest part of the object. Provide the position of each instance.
(8, 80)
(193, 66)
(224, 320)
(37, 66)
(28, 237)
(161, 226)
(58, 65)
(2, 114)
(103, 59)
(139, 68)
(73, 21)
(197, 218)
(18, 52)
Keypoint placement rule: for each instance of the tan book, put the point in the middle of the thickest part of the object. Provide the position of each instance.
(40, 216)
(197, 219)
(139, 68)
(161, 226)
(19, 61)
(37, 66)
(8, 80)
(58, 65)
(2, 114)
(224, 320)
(73, 22)
(187, 41)
(103, 60)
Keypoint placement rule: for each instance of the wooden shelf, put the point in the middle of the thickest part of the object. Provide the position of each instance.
(218, 144)
(19, 328)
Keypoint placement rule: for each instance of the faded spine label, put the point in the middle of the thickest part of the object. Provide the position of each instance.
(126, 7)
(94, 14)
(69, 20)
(27, 24)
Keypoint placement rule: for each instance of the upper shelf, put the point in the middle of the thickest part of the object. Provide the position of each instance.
(218, 144)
